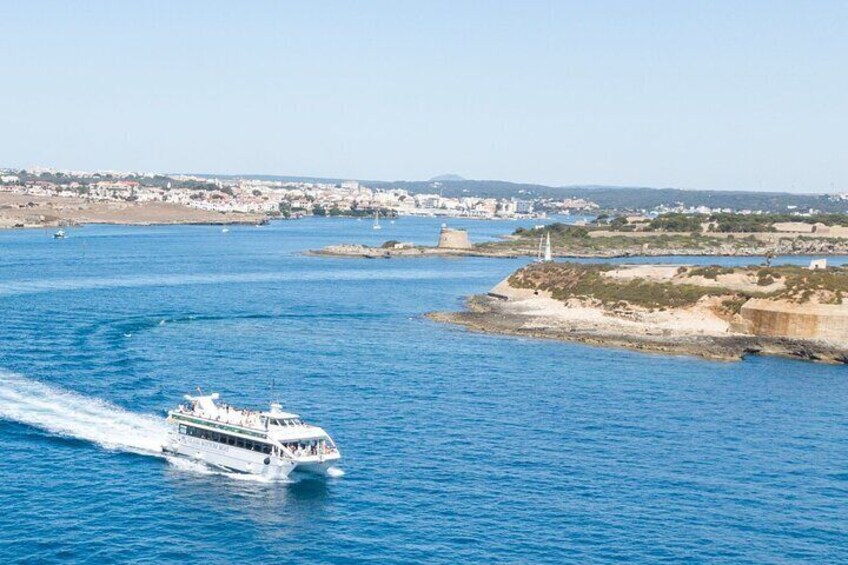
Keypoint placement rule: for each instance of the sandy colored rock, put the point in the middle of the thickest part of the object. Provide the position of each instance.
(705, 327)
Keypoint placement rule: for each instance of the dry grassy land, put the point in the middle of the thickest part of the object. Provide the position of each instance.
(23, 210)
(578, 241)
(716, 312)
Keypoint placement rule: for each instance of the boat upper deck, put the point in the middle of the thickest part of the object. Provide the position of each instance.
(274, 424)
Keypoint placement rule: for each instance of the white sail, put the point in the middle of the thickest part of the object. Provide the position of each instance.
(539, 251)
(377, 220)
(548, 255)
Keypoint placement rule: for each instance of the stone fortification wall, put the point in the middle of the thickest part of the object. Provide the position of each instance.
(793, 227)
(804, 321)
(818, 229)
(833, 231)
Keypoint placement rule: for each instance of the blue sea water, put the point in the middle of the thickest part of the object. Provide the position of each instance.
(458, 447)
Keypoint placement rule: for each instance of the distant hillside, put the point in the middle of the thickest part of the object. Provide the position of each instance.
(607, 197)
(628, 198)
(273, 178)
(447, 178)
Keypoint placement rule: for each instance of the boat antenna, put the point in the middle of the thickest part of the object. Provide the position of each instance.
(273, 387)
(199, 392)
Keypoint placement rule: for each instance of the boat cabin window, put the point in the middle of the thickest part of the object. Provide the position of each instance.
(310, 447)
(226, 439)
(286, 422)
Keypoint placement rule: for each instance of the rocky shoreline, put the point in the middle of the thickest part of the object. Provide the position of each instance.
(713, 312)
(492, 315)
(511, 250)
(365, 252)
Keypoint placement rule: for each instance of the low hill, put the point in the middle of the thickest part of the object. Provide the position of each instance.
(447, 178)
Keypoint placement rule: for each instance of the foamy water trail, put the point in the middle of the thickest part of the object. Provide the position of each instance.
(70, 414)
(199, 468)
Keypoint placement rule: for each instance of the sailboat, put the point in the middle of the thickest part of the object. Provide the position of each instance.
(544, 256)
(539, 250)
(376, 225)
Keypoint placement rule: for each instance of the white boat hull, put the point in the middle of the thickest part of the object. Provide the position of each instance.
(229, 458)
(317, 468)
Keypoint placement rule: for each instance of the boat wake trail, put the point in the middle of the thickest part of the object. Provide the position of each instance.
(69, 414)
(335, 472)
(64, 413)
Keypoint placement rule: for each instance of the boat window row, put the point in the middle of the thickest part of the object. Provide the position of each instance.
(226, 439)
(286, 422)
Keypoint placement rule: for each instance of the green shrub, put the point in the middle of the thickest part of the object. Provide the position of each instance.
(712, 272)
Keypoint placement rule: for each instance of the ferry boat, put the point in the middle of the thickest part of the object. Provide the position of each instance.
(271, 444)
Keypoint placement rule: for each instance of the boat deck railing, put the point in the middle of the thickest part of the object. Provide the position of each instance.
(203, 420)
(227, 415)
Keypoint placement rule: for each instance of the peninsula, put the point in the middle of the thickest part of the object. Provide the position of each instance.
(452, 242)
(29, 211)
(712, 312)
(666, 235)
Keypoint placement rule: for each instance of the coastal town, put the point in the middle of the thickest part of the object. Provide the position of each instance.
(49, 197)
(215, 199)
(269, 198)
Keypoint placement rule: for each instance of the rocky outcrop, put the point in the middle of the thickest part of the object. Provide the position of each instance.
(487, 314)
(713, 312)
(25, 210)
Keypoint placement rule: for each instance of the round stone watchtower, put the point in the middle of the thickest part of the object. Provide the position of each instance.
(450, 238)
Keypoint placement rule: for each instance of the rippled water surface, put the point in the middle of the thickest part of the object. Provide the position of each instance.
(457, 447)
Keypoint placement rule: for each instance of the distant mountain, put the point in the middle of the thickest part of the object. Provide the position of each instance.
(447, 178)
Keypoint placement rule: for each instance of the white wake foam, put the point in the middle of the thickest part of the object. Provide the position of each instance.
(35, 286)
(69, 414)
(199, 468)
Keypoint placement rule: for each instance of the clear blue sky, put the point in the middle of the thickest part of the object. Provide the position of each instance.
(733, 95)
